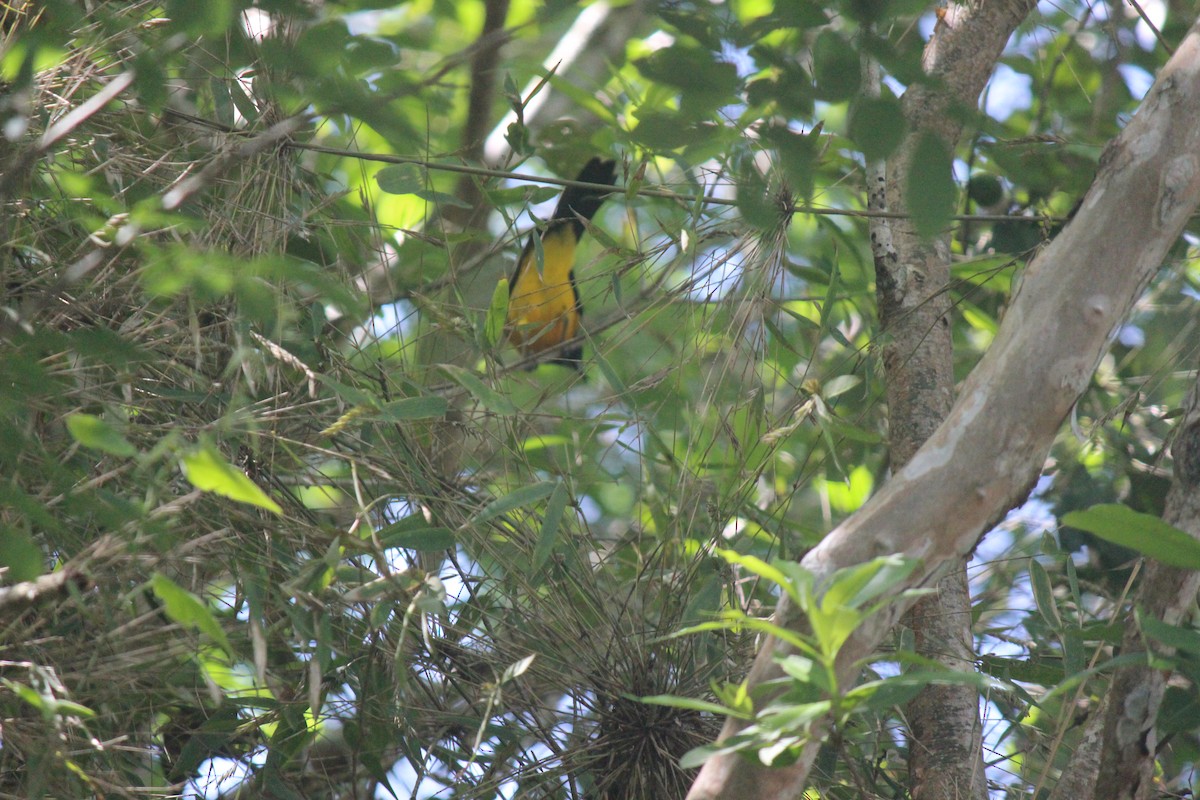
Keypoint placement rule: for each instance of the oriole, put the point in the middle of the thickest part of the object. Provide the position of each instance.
(544, 306)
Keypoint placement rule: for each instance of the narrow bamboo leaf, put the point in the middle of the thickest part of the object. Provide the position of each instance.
(691, 704)
(1174, 636)
(428, 407)
(490, 398)
(188, 610)
(429, 539)
(839, 384)
(493, 324)
(1145, 533)
(517, 669)
(526, 495)
(1043, 595)
(762, 569)
(854, 586)
(91, 431)
(555, 508)
(208, 472)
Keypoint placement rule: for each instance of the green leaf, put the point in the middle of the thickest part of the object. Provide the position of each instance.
(930, 191)
(984, 189)
(692, 704)
(94, 432)
(1043, 673)
(1145, 533)
(401, 179)
(1043, 595)
(497, 314)
(208, 472)
(414, 533)
(877, 126)
(855, 586)
(697, 756)
(526, 495)
(756, 565)
(428, 407)
(548, 537)
(490, 398)
(20, 554)
(849, 495)
(1180, 638)
(704, 79)
(836, 67)
(188, 610)
(754, 200)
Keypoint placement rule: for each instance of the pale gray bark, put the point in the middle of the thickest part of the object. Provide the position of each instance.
(912, 280)
(982, 460)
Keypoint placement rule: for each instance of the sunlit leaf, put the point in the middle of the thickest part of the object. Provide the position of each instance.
(94, 432)
(207, 471)
(187, 610)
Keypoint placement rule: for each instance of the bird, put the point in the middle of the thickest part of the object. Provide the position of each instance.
(544, 308)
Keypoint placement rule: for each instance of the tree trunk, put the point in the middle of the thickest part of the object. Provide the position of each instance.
(1126, 764)
(987, 454)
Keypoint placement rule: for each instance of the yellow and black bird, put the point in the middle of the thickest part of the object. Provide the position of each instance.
(543, 305)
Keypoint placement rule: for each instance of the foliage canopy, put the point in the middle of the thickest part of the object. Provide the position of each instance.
(319, 534)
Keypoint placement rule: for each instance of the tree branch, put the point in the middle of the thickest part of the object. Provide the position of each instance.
(982, 460)
(912, 279)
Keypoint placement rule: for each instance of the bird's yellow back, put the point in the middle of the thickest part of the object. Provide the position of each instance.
(543, 305)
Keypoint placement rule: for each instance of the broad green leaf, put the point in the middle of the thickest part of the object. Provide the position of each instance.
(1145, 533)
(931, 191)
(697, 756)
(693, 69)
(184, 608)
(20, 555)
(984, 189)
(754, 199)
(837, 70)
(94, 432)
(849, 495)
(208, 472)
(877, 126)
(1043, 673)
(897, 690)
(526, 495)
(401, 179)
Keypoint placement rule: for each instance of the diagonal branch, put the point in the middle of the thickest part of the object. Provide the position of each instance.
(982, 460)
